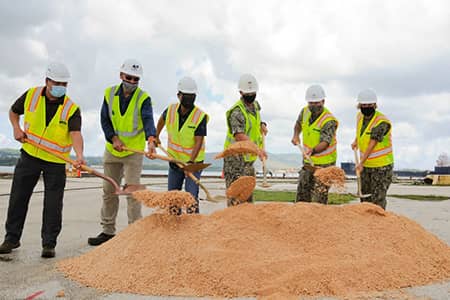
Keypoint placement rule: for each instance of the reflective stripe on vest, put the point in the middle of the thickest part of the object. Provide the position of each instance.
(35, 98)
(181, 141)
(54, 136)
(252, 128)
(128, 127)
(382, 154)
(311, 136)
(136, 130)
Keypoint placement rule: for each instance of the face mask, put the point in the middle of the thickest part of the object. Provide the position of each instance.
(249, 98)
(187, 100)
(129, 87)
(367, 111)
(58, 91)
(315, 109)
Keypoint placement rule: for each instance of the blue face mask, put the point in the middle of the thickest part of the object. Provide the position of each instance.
(58, 91)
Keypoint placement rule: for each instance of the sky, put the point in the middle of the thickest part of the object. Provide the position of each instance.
(401, 49)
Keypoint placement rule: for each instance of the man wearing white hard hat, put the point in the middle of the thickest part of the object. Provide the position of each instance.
(127, 121)
(319, 127)
(243, 123)
(186, 130)
(374, 141)
(52, 120)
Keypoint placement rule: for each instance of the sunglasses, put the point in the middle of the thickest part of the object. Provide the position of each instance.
(132, 78)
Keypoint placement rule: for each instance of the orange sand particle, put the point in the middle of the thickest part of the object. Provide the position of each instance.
(266, 249)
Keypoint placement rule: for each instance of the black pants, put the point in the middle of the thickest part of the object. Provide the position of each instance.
(26, 176)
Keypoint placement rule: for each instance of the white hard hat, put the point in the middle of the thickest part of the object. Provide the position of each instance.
(187, 85)
(57, 71)
(315, 93)
(367, 96)
(132, 67)
(248, 84)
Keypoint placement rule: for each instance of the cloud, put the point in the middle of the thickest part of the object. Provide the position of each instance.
(400, 48)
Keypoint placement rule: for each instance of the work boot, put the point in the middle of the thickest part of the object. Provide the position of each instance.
(99, 239)
(7, 247)
(48, 252)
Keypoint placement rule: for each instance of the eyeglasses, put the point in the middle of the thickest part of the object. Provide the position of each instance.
(132, 78)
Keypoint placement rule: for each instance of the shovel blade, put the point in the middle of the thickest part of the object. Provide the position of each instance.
(265, 185)
(130, 188)
(195, 167)
(361, 196)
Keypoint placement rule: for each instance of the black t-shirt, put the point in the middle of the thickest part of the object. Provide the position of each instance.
(201, 129)
(50, 110)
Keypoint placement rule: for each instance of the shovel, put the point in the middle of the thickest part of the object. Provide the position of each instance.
(264, 184)
(358, 178)
(310, 166)
(182, 165)
(127, 190)
(194, 167)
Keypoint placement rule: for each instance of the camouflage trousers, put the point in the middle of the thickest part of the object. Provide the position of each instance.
(309, 189)
(376, 181)
(233, 168)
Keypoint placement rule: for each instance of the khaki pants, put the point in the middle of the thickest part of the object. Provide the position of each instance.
(117, 168)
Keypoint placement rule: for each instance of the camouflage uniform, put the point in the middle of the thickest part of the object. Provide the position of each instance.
(235, 166)
(376, 181)
(308, 188)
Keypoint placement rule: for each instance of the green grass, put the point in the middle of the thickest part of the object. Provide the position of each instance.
(283, 196)
(420, 197)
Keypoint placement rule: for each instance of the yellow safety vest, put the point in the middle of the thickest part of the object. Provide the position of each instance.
(252, 128)
(311, 136)
(55, 136)
(181, 141)
(129, 127)
(382, 154)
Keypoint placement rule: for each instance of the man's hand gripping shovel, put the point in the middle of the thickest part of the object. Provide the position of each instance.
(127, 190)
(358, 178)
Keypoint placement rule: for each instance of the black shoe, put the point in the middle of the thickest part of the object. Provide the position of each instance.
(100, 239)
(48, 252)
(7, 247)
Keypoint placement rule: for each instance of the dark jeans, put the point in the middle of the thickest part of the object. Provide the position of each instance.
(175, 182)
(26, 176)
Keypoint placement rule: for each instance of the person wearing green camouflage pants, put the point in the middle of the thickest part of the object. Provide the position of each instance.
(374, 141)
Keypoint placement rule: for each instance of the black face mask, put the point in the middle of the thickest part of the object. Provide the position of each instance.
(249, 98)
(315, 109)
(187, 100)
(367, 111)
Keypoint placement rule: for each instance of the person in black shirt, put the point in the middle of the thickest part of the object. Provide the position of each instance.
(52, 120)
(186, 129)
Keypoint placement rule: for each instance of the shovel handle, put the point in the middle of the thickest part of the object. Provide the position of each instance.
(307, 157)
(82, 167)
(195, 179)
(155, 155)
(355, 152)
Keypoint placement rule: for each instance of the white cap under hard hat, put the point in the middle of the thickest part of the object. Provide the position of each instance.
(132, 67)
(57, 71)
(248, 84)
(315, 93)
(187, 85)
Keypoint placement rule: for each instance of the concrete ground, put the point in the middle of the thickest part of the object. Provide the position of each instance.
(25, 275)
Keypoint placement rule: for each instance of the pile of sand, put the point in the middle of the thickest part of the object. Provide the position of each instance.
(263, 250)
(169, 201)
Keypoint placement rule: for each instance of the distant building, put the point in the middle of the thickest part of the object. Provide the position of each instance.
(441, 170)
